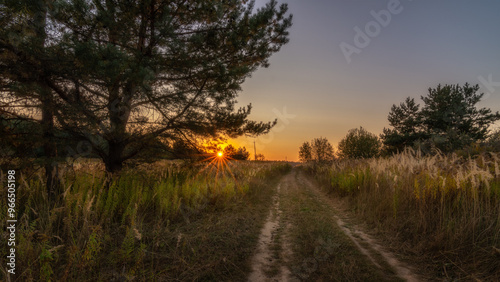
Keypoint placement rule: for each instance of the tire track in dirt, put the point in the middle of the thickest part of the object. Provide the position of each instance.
(365, 243)
(274, 250)
(267, 264)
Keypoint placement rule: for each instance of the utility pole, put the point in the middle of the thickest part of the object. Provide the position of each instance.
(254, 151)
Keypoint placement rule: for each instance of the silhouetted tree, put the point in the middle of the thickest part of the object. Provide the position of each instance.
(305, 152)
(182, 149)
(359, 143)
(451, 119)
(122, 73)
(406, 122)
(448, 121)
(241, 154)
(23, 40)
(20, 138)
(237, 154)
(229, 150)
(493, 141)
(322, 150)
(260, 157)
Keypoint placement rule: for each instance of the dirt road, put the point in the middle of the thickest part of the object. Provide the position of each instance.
(309, 237)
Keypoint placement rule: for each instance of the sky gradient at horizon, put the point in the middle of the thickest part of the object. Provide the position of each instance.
(315, 92)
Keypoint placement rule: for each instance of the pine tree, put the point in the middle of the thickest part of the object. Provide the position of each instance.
(23, 76)
(451, 119)
(406, 122)
(448, 121)
(120, 74)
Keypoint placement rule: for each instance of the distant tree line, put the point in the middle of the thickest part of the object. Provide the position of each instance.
(318, 150)
(449, 121)
(240, 153)
(260, 157)
(358, 143)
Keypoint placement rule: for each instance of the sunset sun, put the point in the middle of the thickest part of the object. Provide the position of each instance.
(220, 154)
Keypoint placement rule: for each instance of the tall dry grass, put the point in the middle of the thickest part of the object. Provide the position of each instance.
(103, 225)
(440, 207)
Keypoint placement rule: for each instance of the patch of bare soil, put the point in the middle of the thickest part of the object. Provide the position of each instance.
(268, 260)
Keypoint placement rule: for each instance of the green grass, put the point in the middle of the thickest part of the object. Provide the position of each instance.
(443, 208)
(155, 222)
(321, 251)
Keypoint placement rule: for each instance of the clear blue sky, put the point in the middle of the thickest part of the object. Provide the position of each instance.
(424, 43)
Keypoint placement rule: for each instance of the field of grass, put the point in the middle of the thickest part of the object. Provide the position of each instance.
(171, 222)
(442, 209)
(155, 222)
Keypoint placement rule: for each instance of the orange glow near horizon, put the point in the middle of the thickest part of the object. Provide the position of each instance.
(220, 154)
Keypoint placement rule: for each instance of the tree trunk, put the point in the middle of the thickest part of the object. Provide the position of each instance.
(119, 113)
(47, 105)
(117, 138)
(114, 160)
(49, 146)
